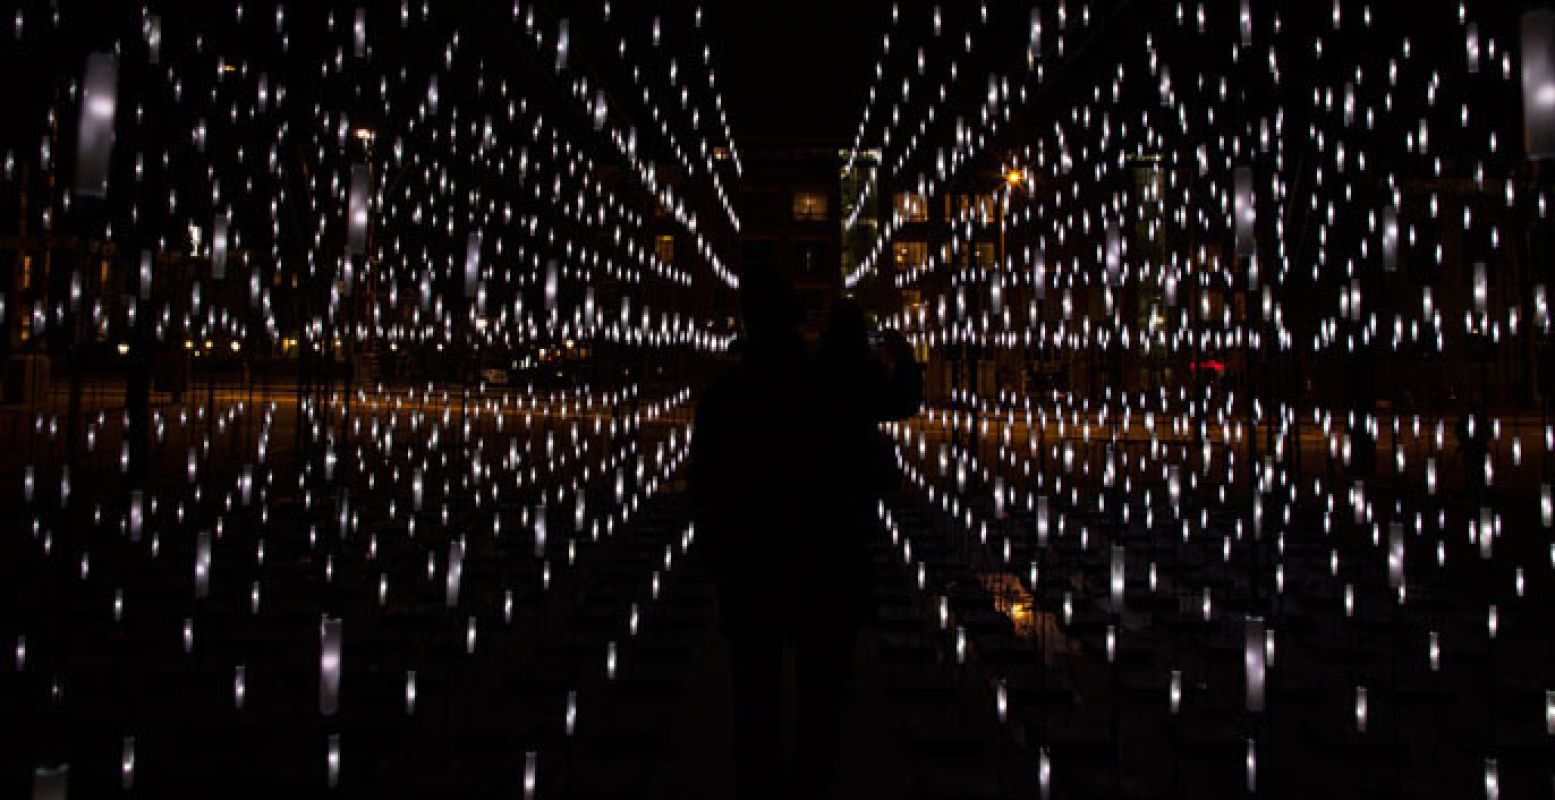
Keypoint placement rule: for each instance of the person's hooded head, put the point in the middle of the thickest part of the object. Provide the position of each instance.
(769, 306)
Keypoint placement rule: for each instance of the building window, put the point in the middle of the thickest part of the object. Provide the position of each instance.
(664, 248)
(810, 206)
(979, 206)
(912, 207)
(987, 254)
(910, 255)
(810, 257)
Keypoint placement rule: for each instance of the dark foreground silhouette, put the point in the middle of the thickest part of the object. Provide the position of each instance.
(786, 465)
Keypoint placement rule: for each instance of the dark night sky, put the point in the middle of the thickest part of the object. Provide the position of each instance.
(799, 69)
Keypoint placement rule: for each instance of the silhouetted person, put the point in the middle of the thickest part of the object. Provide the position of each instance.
(786, 466)
(854, 390)
(749, 457)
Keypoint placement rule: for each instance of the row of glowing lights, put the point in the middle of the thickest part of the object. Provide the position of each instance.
(998, 91)
(1472, 50)
(1260, 655)
(1000, 104)
(332, 629)
(96, 100)
(858, 204)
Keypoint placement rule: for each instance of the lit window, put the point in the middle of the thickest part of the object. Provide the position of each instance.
(810, 206)
(912, 207)
(977, 206)
(811, 256)
(664, 248)
(987, 254)
(910, 255)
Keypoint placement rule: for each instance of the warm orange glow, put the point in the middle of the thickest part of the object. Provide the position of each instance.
(1012, 600)
(1015, 177)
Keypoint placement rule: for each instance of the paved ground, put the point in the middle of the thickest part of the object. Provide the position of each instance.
(99, 670)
